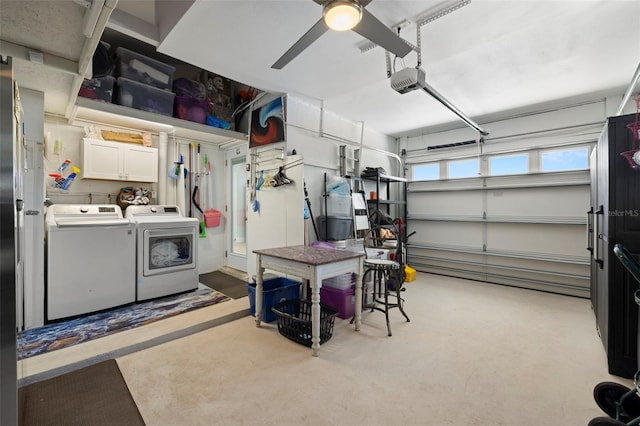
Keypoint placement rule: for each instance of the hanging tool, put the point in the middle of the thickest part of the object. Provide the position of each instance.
(313, 222)
(196, 195)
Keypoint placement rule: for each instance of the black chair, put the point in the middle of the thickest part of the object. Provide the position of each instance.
(620, 403)
(383, 279)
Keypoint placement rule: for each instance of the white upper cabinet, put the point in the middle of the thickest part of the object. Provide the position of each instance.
(119, 161)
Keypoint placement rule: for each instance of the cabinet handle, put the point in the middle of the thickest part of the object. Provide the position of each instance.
(590, 230)
(596, 236)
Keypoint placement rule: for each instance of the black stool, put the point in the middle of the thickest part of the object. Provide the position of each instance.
(386, 275)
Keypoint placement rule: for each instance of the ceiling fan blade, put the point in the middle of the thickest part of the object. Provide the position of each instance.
(370, 27)
(305, 41)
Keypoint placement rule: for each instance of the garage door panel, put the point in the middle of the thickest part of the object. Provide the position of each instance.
(451, 203)
(566, 240)
(570, 202)
(465, 234)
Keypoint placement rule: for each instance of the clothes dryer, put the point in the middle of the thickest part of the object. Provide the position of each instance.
(166, 250)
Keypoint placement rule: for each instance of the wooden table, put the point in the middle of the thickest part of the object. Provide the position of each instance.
(314, 264)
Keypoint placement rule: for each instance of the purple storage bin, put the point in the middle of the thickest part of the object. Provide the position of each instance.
(344, 300)
(190, 88)
(191, 109)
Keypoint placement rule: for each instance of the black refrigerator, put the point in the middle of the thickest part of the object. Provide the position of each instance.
(11, 234)
(614, 218)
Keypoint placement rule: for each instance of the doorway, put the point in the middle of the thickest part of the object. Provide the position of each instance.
(236, 247)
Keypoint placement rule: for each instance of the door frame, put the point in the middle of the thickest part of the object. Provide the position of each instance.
(234, 260)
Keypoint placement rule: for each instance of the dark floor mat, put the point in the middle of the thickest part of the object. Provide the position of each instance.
(225, 284)
(94, 395)
(50, 337)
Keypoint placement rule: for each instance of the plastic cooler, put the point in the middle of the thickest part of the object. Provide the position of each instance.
(274, 290)
(341, 299)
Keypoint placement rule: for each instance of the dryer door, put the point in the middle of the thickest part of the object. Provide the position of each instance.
(169, 250)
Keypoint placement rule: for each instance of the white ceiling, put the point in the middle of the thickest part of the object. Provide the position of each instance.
(486, 58)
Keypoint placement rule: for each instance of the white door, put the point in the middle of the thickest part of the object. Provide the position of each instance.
(236, 208)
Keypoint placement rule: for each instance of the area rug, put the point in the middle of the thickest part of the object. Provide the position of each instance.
(225, 284)
(93, 395)
(60, 335)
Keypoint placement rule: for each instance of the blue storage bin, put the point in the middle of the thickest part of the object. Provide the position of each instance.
(274, 290)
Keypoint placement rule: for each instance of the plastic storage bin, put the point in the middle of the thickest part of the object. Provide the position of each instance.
(344, 281)
(141, 96)
(338, 206)
(294, 321)
(143, 69)
(337, 228)
(100, 88)
(343, 300)
(274, 290)
(190, 109)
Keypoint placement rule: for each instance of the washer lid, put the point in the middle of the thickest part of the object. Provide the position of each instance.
(59, 215)
(90, 221)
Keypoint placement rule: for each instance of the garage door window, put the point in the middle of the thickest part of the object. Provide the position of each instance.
(564, 159)
(509, 164)
(463, 169)
(426, 172)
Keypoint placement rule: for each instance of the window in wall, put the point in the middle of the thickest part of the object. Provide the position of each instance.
(564, 159)
(509, 164)
(463, 169)
(426, 172)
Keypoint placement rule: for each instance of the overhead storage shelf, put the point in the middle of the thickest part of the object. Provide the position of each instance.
(88, 110)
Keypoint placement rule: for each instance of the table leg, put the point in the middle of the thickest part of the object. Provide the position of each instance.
(358, 304)
(259, 288)
(315, 315)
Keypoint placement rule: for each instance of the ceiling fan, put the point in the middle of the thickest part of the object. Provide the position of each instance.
(344, 15)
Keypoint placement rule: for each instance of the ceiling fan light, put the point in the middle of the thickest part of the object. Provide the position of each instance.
(342, 15)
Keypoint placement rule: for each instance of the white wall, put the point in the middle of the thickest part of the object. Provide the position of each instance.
(317, 134)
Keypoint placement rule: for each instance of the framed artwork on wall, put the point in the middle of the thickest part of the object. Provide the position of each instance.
(267, 122)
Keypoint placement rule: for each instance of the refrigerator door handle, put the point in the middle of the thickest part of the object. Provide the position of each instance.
(590, 230)
(597, 237)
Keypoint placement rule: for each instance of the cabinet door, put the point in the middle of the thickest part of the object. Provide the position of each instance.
(101, 160)
(140, 164)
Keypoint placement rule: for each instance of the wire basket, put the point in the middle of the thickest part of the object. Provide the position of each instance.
(294, 320)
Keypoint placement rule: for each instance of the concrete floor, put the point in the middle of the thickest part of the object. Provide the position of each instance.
(473, 354)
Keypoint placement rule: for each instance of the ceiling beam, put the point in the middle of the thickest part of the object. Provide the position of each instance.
(17, 51)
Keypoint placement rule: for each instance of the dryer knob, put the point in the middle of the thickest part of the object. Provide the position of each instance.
(84, 209)
(153, 210)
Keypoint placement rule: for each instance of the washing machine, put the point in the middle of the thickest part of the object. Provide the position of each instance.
(166, 250)
(90, 259)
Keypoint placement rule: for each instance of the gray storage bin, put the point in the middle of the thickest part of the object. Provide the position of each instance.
(336, 228)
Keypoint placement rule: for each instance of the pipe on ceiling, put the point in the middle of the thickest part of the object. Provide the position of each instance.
(433, 92)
